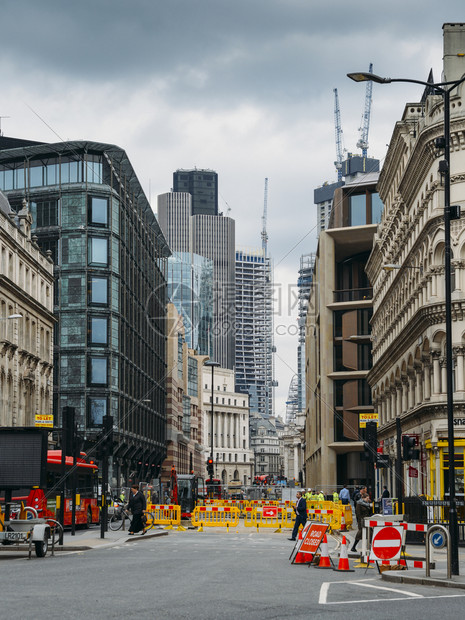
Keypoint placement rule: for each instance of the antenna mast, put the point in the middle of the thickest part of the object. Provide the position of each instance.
(264, 219)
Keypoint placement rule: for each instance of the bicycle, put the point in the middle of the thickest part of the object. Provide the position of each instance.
(118, 520)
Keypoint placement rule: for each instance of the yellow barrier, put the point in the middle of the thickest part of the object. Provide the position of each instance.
(215, 516)
(165, 514)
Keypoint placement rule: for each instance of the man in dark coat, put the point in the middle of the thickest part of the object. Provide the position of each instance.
(300, 510)
(136, 505)
(362, 510)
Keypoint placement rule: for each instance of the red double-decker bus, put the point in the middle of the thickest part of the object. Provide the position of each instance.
(44, 499)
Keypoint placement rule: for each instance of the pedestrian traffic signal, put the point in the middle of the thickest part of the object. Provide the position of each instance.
(408, 448)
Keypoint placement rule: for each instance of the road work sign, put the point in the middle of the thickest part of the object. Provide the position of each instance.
(313, 537)
(270, 512)
(387, 543)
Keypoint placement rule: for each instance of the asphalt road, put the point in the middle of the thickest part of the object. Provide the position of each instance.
(206, 575)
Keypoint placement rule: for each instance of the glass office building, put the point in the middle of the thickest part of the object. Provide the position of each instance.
(110, 257)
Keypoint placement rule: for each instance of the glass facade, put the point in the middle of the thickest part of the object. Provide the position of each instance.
(190, 289)
(110, 258)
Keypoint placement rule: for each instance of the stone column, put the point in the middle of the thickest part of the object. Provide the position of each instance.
(418, 383)
(459, 378)
(436, 372)
(426, 377)
(443, 365)
(405, 391)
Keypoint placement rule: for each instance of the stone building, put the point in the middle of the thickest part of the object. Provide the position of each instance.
(184, 416)
(408, 379)
(232, 456)
(26, 321)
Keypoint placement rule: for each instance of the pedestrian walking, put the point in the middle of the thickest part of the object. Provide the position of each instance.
(344, 495)
(136, 505)
(300, 510)
(362, 510)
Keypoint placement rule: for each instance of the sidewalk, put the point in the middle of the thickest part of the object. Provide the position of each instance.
(91, 538)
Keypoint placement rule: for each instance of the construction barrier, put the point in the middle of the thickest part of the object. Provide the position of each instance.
(215, 516)
(268, 516)
(165, 514)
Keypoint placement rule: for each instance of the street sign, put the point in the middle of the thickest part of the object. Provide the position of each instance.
(313, 537)
(386, 543)
(44, 420)
(363, 418)
(438, 540)
(270, 512)
(412, 472)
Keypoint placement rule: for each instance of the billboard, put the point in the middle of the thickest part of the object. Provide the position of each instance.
(23, 457)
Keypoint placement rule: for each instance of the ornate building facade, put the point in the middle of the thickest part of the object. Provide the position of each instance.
(26, 321)
(408, 379)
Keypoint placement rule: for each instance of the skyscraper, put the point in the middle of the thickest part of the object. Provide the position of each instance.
(254, 329)
(213, 237)
(202, 185)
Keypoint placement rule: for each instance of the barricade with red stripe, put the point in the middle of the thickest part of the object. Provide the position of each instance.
(215, 516)
(165, 514)
(410, 527)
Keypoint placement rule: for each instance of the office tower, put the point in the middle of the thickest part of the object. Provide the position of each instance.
(213, 237)
(307, 262)
(254, 329)
(190, 289)
(202, 185)
(90, 211)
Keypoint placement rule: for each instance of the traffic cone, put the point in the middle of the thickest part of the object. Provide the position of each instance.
(344, 558)
(300, 558)
(325, 560)
(343, 521)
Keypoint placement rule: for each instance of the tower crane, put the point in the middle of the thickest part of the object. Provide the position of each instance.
(338, 132)
(264, 218)
(363, 140)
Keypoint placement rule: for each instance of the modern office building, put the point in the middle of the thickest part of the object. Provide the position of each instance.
(202, 185)
(338, 341)
(213, 237)
(254, 328)
(190, 289)
(26, 322)
(90, 212)
(304, 283)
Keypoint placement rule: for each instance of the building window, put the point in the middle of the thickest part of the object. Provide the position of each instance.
(44, 213)
(358, 210)
(376, 208)
(98, 251)
(192, 377)
(98, 291)
(98, 371)
(98, 211)
(98, 330)
(96, 409)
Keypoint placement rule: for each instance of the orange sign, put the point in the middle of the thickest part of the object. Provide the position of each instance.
(313, 537)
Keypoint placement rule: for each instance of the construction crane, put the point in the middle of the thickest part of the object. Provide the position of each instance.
(338, 132)
(365, 126)
(264, 217)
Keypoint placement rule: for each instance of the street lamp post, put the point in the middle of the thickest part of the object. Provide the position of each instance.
(212, 365)
(444, 89)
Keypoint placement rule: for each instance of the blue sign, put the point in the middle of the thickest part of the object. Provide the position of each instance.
(438, 540)
(387, 506)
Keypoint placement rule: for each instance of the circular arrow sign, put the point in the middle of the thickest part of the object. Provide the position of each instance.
(387, 543)
(438, 540)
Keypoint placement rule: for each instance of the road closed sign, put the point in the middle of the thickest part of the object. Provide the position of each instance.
(386, 543)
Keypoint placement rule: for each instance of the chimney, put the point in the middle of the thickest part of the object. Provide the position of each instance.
(454, 51)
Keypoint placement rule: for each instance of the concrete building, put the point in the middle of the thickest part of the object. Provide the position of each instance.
(338, 347)
(293, 443)
(26, 321)
(304, 283)
(408, 379)
(267, 447)
(90, 212)
(184, 415)
(254, 329)
(232, 456)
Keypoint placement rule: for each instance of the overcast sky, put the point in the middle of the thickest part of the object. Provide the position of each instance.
(244, 88)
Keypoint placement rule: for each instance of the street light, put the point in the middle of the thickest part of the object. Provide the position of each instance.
(12, 316)
(212, 365)
(444, 89)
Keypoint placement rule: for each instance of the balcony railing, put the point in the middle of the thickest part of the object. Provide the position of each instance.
(353, 294)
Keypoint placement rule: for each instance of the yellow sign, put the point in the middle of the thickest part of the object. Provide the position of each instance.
(363, 418)
(45, 420)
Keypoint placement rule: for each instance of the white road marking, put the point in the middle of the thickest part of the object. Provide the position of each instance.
(407, 596)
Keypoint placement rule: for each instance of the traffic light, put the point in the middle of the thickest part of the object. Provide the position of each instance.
(371, 443)
(408, 448)
(210, 467)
